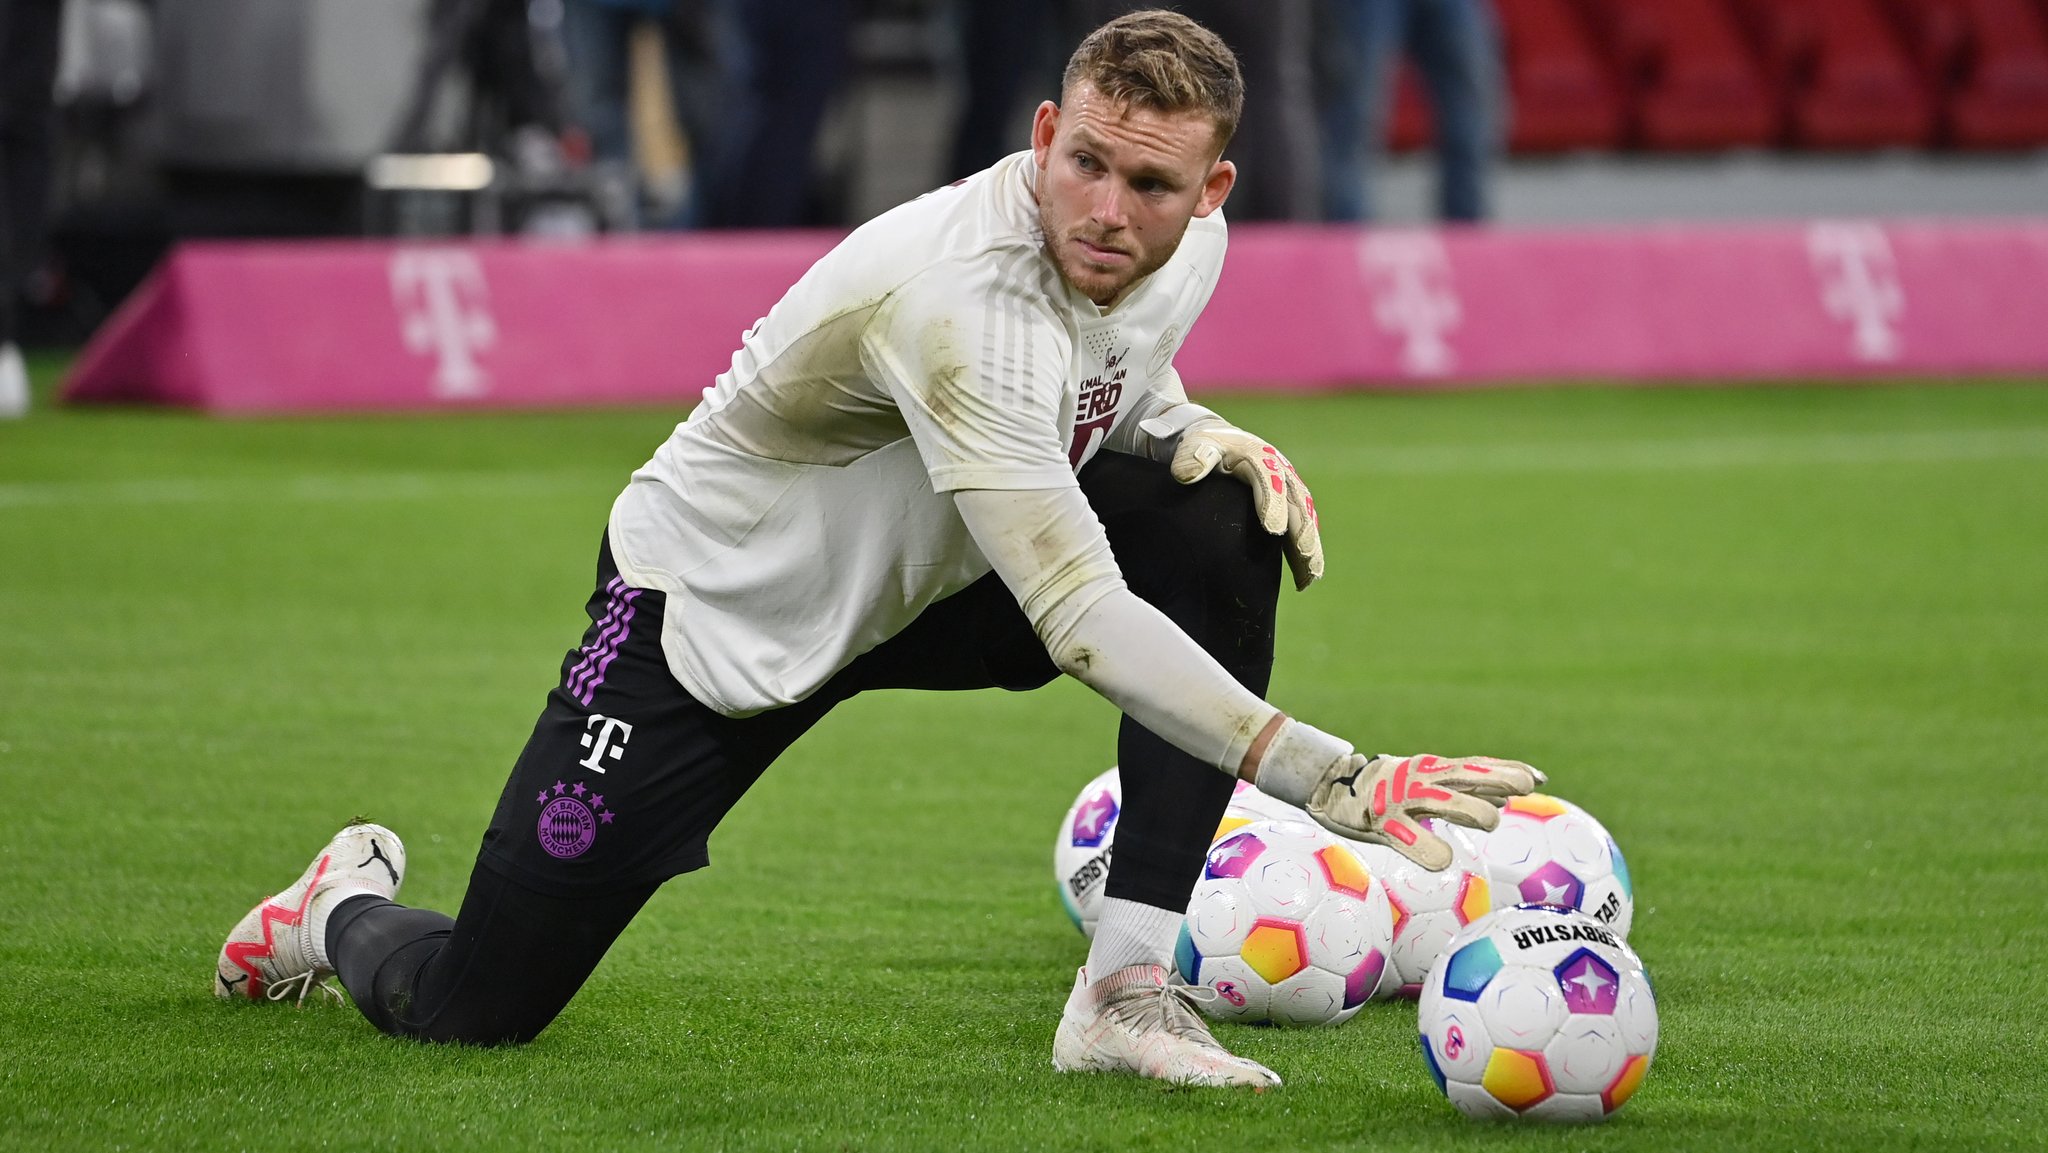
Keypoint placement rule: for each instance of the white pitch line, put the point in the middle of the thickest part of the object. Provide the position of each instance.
(307, 488)
(1771, 451)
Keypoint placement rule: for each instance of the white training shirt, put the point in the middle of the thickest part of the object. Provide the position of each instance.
(798, 518)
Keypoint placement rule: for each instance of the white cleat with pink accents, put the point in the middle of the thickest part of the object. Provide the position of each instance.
(1136, 1021)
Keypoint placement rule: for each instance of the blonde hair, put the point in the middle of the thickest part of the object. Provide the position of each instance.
(1164, 62)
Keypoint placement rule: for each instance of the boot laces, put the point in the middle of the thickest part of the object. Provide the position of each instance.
(303, 984)
(1168, 1008)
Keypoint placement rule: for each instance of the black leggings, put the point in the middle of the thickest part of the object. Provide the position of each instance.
(541, 910)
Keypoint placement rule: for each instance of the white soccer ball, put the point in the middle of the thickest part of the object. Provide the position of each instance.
(1538, 1012)
(1548, 851)
(1287, 925)
(1081, 851)
(1429, 907)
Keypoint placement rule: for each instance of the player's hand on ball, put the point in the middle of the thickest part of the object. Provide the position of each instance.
(1281, 500)
(1383, 799)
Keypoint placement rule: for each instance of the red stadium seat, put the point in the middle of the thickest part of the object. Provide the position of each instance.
(1413, 127)
(1561, 92)
(1848, 77)
(1695, 82)
(1937, 34)
(2002, 101)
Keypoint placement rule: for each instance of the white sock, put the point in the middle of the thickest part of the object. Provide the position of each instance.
(319, 911)
(1132, 934)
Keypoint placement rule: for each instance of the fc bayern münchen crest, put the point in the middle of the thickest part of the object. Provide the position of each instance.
(569, 817)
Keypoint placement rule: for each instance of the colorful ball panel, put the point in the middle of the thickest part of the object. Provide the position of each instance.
(1516, 1078)
(1475, 898)
(1436, 1072)
(1625, 1082)
(1082, 849)
(1590, 984)
(1470, 968)
(1093, 818)
(1230, 823)
(1187, 957)
(1234, 856)
(1551, 883)
(1276, 949)
(1364, 979)
(1535, 806)
(1344, 872)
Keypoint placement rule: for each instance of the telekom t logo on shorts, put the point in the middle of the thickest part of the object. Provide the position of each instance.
(1413, 296)
(444, 312)
(1859, 283)
(605, 737)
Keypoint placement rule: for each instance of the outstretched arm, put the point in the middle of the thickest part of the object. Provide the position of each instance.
(1051, 552)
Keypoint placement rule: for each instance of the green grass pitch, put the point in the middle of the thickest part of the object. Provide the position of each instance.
(1790, 644)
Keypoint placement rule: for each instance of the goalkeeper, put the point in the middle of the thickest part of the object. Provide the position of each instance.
(955, 455)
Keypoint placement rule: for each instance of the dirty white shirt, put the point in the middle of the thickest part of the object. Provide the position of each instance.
(801, 515)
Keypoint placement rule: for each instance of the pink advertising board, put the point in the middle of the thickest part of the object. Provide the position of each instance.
(378, 325)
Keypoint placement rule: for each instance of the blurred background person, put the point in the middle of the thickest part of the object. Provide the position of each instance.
(1456, 47)
(786, 60)
(515, 110)
(1003, 61)
(28, 76)
(597, 36)
(1275, 145)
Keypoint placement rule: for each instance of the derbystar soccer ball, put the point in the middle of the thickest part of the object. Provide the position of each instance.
(1548, 851)
(1429, 907)
(1538, 1012)
(1286, 925)
(1080, 854)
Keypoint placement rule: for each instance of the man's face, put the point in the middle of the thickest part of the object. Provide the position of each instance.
(1117, 186)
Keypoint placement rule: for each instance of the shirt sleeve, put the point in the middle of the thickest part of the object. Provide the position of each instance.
(977, 363)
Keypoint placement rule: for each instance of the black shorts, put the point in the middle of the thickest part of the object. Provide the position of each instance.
(626, 773)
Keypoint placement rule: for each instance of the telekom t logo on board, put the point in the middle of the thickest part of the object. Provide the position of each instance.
(1859, 283)
(444, 312)
(1413, 297)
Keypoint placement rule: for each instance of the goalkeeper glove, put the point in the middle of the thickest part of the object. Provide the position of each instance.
(1283, 504)
(1384, 799)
